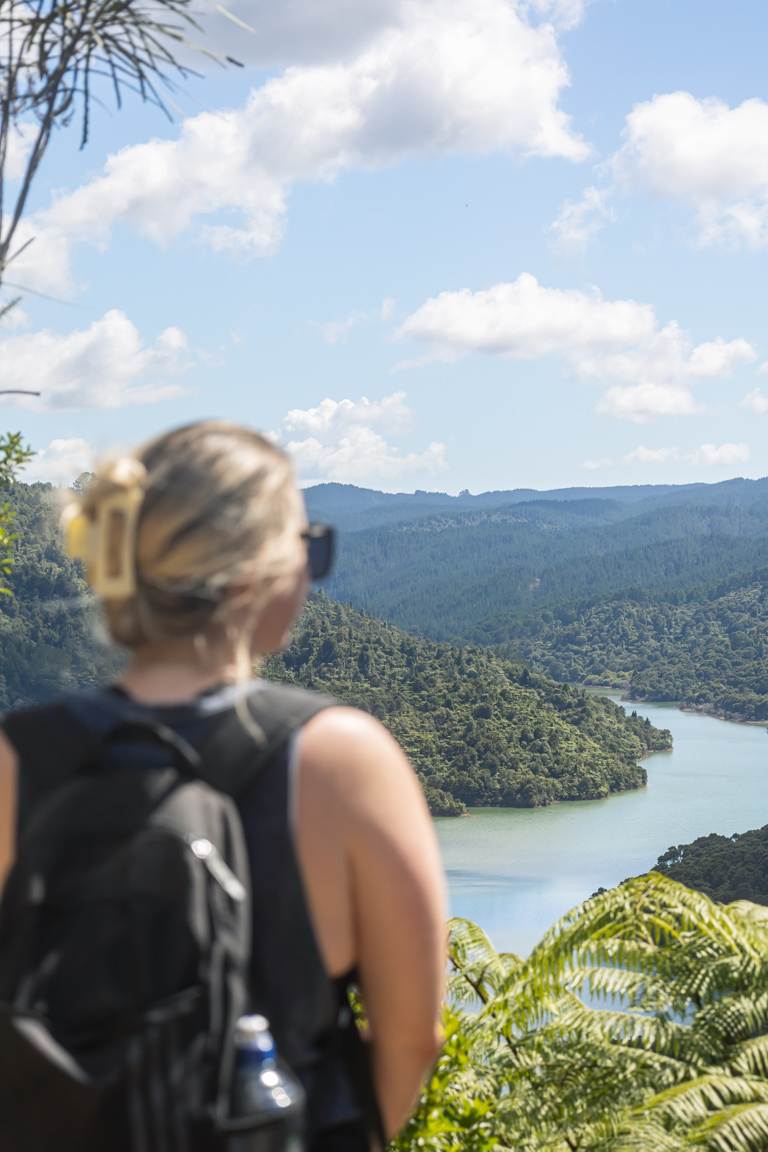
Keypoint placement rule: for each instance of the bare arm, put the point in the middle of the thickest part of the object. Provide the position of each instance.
(395, 886)
(7, 806)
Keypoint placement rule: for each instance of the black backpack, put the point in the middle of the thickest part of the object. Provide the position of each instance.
(124, 946)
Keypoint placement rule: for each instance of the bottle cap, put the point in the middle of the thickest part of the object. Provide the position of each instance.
(250, 1029)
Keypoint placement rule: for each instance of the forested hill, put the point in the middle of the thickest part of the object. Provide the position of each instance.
(475, 575)
(480, 730)
(663, 596)
(49, 640)
(709, 652)
(352, 508)
(726, 868)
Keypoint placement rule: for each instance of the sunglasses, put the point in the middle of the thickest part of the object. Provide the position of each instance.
(321, 548)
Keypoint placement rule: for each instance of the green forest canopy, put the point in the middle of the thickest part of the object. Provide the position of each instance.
(726, 868)
(664, 597)
(480, 730)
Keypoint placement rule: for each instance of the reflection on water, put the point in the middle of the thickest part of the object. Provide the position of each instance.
(514, 871)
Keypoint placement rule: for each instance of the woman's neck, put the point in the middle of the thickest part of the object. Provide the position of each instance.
(173, 678)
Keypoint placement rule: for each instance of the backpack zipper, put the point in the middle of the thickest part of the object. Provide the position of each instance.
(209, 855)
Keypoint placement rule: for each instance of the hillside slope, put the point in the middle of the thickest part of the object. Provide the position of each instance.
(479, 729)
(708, 652)
(726, 868)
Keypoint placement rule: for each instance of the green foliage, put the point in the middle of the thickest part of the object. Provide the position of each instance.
(709, 652)
(663, 597)
(726, 868)
(480, 730)
(485, 576)
(49, 640)
(13, 455)
(640, 1021)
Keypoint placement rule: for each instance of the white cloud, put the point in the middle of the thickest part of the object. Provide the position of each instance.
(61, 462)
(19, 145)
(708, 155)
(756, 401)
(364, 456)
(16, 318)
(643, 455)
(716, 455)
(525, 320)
(337, 331)
(332, 418)
(719, 357)
(446, 77)
(106, 365)
(294, 31)
(639, 455)
(641, 403)
(565, 14)
(580, 220)
(342, 440)
(609, 341)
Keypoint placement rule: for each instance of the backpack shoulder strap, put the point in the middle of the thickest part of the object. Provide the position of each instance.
(236, 752)
(50, 742)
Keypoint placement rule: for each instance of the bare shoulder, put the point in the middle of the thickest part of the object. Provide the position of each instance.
(8, 757)
(352, 754)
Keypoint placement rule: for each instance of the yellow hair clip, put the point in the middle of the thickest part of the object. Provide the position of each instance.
(77, 532)
(112, 567)
(107, 544)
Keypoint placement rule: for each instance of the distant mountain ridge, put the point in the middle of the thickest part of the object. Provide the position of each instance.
(664, 595)
(354, 508)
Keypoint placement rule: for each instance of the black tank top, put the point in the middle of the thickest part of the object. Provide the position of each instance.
(290, 986)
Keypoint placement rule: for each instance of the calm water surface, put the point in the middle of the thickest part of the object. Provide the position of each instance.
(514, 871)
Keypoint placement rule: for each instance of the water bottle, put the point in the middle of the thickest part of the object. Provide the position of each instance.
(267, 1100)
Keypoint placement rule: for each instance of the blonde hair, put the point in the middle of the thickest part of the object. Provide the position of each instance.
(171, 533)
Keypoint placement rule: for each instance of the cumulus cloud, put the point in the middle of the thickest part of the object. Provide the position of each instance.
(332, 417)
(716, 455)
(344, 440)
(643, 455)
(642, 403)
(106, 365)
(61, 462)
(580, 220)
(295, 31)
(702, 153)
(707, 154)
(756, 401)
(525, 320)
(609, 341)
(445, 76)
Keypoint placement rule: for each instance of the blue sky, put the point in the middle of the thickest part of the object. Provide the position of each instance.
(440, 244)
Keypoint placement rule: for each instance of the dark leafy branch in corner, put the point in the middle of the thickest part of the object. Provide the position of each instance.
(54, 54)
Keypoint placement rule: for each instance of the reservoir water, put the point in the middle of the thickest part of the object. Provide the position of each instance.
(514, 871)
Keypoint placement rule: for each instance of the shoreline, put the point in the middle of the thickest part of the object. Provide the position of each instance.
(697, 709)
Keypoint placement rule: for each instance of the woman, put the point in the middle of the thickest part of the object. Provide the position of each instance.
(199, 550)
